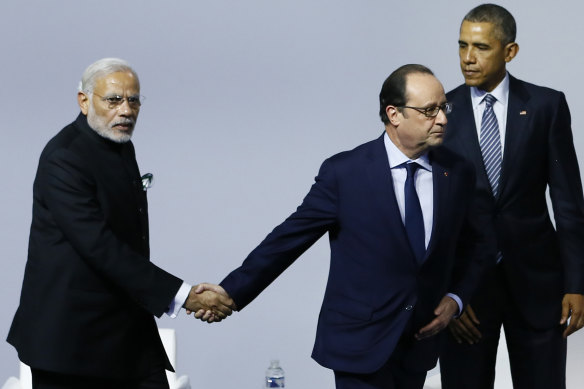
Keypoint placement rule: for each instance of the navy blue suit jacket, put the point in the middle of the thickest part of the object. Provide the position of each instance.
(375, 287)
(540, 262)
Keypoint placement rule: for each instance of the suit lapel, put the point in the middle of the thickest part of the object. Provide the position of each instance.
(441, 191)
(466, 132)
(516, 131)
(380, 179)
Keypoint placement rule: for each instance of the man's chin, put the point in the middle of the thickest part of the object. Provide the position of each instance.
(436, 140)
(119, 132)
(471, 81)
(121, 136)
(117, 135)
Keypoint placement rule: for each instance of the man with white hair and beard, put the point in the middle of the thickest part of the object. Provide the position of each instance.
(113, 120)
(90, 292)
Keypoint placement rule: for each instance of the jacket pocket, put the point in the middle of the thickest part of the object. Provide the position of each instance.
(348, 307)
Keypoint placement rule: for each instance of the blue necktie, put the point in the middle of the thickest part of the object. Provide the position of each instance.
(414, 220)
(491, 144)
(491, 148)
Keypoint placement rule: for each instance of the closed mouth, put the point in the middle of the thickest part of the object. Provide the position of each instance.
(124, 126)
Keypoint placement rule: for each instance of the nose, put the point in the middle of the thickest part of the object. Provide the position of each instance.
(441, 118)
(124, 108)
(467, 55)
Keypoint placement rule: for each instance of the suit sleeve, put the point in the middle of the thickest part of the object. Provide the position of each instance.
(475, 247)
(313, 218)
(69, 194)
(566, 195)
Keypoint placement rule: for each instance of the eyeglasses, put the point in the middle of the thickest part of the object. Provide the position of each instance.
(116, 101)
(432, 112)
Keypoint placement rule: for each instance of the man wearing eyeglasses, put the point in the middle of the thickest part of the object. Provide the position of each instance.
(395, 210)
(518, 137)
(90, 292)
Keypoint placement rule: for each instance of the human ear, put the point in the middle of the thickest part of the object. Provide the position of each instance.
(83, 102)
(511, 50)
(393, 115)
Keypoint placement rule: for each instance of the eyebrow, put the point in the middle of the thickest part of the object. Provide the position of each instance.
(433, 104)
(113, 94)
(475, 44)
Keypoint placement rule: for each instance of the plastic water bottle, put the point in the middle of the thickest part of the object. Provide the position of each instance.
(274, 375)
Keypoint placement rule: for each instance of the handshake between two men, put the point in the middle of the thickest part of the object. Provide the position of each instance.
(209, 302)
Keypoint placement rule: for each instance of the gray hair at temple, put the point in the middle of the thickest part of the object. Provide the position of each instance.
(102, 68)
(504, 22)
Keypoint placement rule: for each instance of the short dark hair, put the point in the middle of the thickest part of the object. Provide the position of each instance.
(504, 22)
(393, 91)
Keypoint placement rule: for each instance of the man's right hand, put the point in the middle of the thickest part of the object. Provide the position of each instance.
(210, 299)
(464, 329)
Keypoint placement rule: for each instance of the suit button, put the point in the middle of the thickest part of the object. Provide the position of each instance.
(143, 237)
(141, 210)
(409, 307)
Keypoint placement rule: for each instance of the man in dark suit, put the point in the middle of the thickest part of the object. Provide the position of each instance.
(90, 292)
(394, 209)
(518, 137)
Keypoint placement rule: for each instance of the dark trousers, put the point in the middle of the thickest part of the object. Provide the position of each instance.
(537, 357)
(49, 380)
(395, 374)
(388, 377)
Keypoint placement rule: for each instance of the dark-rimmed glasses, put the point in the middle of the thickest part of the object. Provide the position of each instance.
(432, 112)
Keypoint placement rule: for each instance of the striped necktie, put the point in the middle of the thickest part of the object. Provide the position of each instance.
(491, 144)
(491, 148)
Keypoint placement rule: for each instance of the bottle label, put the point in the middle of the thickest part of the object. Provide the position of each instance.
(273, 382)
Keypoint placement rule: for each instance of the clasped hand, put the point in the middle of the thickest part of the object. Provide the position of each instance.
(210, 302)
(444, 312)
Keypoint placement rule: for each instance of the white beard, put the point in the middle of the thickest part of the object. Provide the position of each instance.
(99, 125)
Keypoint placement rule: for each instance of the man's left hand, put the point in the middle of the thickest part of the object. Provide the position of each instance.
(573, 308)
(444, 312)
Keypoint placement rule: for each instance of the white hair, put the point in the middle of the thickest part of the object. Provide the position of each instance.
(102, 68)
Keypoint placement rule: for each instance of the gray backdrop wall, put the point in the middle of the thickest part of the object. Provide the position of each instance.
(244, 101)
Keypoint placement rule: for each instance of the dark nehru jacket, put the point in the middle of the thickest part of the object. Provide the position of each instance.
(90, 292)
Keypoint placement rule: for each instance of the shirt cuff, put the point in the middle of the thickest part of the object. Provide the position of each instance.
(179, 300)
(458, 301)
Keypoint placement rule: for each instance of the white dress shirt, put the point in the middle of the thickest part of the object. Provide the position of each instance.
(179, 300)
